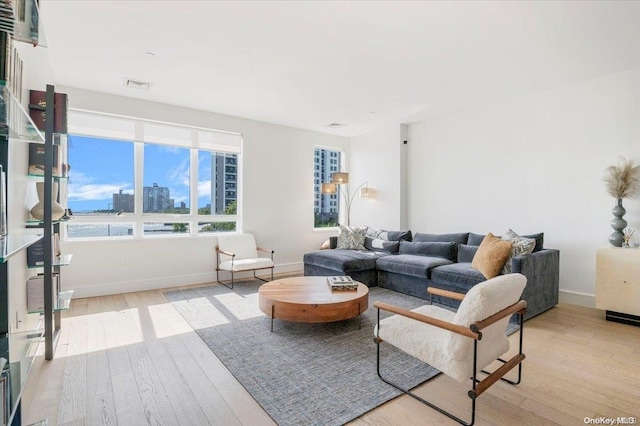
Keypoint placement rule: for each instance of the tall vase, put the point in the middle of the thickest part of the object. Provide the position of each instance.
(618, 224)
(37, 211)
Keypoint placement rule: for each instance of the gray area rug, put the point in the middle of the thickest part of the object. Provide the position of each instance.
(311, 374)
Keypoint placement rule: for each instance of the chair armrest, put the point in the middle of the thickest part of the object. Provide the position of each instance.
(445, 293)
(264, 249)
(228, 253)
(519, 307)
(428, 320)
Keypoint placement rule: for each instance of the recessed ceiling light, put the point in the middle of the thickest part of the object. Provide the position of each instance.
(149, 53)
(336, 125)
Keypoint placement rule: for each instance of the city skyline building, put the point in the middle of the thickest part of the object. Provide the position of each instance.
(224, 181)
(326, 162)
(123, 202)
(156, 199)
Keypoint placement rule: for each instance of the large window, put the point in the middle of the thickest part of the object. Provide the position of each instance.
(133, 178)
(326, 209)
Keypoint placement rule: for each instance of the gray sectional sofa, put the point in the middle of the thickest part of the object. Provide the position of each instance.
(410, 263)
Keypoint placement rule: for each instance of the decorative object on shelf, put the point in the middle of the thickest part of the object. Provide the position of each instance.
(340, 183)
(628, 233)
(57, 211)
(621, 181)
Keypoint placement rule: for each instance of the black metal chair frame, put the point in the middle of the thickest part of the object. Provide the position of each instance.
(478, 386)
(233, 255)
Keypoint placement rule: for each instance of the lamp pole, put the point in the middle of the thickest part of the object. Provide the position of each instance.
(348, 200)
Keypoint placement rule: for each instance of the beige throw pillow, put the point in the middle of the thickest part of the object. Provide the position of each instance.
(491, 256)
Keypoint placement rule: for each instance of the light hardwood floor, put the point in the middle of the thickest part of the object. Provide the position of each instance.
(131, 359)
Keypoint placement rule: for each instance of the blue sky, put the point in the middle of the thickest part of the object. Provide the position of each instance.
(100, 168)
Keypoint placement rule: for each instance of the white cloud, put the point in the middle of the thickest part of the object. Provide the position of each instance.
(96, 191)
(204, 188)
(180, 173)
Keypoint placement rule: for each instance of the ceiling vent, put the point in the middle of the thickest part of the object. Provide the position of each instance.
(336, 125)
(137, 84)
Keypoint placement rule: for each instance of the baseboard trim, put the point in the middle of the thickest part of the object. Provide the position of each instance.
(102, 289)
(576, 298)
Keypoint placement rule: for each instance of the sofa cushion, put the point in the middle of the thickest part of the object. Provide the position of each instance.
(466, 252)
(491, 256)
(520, 246)
(399, 235)
(351, 238)
(377, 244)
(459, 275)
(460, 238)
(444, 250)
(539, 237)
(388, 235)
(475, 239)
(343, 260)
(408, 264)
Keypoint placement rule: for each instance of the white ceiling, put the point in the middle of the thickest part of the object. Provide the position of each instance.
(362, 64)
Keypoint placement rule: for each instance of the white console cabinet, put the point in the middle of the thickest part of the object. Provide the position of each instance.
(618, 284)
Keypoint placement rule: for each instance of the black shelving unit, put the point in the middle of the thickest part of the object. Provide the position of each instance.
(18, 342)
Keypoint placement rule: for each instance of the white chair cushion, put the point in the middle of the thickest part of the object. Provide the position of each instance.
(246, 264)
(424, 341)
(243, 245)
(480, 302)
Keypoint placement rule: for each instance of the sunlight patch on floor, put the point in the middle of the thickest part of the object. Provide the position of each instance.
(238, 307)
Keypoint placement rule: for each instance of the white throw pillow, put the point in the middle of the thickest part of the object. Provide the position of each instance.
(519, 245)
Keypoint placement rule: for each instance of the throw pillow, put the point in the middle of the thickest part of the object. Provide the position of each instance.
(539, 237)
(377, 244)
(437, 249)
(351, 238)
(491, 256)
(399, 235)
(520, 245)
(380, 234)
(475, 239)
(466, 253)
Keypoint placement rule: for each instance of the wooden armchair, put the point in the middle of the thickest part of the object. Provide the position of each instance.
(239, 253)
(459, 344)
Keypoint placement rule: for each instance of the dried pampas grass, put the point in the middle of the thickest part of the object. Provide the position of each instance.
(622, 180)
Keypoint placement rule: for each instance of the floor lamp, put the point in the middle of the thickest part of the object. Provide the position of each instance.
(340, 179)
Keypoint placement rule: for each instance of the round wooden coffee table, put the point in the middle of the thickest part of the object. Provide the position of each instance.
(310, 300)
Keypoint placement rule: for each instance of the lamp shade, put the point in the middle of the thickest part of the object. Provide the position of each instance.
(366, 192)
(340, 178)
(329, 188)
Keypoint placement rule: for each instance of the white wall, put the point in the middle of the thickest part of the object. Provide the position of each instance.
(278, 205)
(534, 164)
(375, 157)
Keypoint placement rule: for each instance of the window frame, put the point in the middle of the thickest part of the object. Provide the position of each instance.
(140, 218)
(334, 202)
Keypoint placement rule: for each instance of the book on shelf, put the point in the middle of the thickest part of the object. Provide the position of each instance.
(35, 292)
(38, 107)
(35, 252)
(36, 160)
(342, 283)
